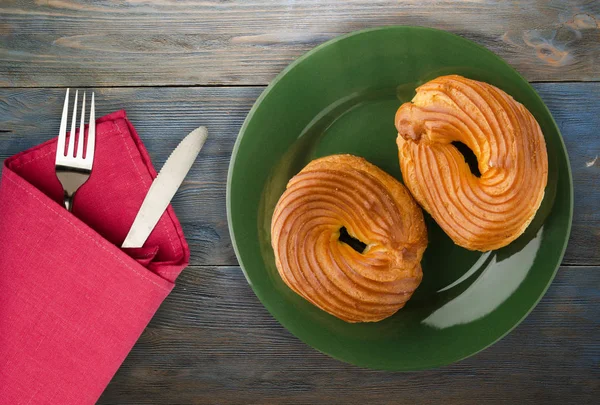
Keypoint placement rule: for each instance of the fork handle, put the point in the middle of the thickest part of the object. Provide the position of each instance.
(68, 202)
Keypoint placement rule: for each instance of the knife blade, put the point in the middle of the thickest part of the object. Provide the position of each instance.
(164, 187)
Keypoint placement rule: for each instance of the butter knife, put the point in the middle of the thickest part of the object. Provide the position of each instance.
(164, 186)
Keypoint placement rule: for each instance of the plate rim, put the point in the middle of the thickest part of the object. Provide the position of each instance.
(272, 85)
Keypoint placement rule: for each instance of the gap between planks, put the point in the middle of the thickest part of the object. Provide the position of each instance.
(134, 86)
(230, 267)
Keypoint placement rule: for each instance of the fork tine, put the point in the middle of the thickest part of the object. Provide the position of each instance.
(81, 130)
(71, 150)
(91, 142)
(62, 132)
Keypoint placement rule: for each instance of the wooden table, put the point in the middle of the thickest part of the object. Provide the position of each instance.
(174, 65)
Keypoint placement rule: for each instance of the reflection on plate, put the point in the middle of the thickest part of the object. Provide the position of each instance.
(496, 282)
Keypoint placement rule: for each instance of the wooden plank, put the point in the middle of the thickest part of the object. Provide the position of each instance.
(167, 42)
(577, 115)
(163, 115)
(213, 342)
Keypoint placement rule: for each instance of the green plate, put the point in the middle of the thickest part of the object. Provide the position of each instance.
(341, 97)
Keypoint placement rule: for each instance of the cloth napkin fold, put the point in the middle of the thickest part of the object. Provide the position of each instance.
(72, 303)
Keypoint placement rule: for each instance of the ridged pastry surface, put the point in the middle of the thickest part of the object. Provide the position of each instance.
(478, 213)
(347, 191)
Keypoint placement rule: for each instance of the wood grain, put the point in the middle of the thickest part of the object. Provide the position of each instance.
(168, 42)
(213, 342)
(163, 116)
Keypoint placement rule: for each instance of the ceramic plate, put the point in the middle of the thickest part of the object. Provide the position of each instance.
(341, 97)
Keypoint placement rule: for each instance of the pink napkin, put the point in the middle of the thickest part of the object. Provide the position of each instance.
(72, 303)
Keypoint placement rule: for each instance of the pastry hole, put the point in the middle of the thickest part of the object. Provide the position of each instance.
(350, 241)
(469, 157)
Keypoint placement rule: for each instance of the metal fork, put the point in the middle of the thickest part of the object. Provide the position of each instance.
(74, 168)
